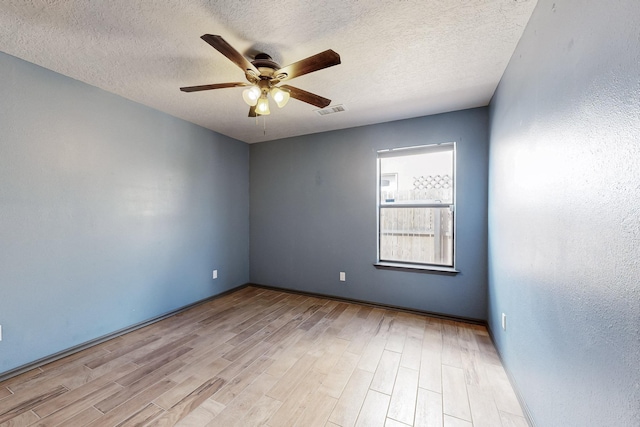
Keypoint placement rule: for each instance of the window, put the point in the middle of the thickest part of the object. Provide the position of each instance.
(416, 206)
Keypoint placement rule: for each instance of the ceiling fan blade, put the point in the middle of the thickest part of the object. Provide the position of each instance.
(308, 97)
(219, 44)
(213, 86)
(252, 111)
(321, 60)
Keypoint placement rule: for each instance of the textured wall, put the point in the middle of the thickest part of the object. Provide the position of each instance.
(111, 213)
(313, 214)
(564, 214)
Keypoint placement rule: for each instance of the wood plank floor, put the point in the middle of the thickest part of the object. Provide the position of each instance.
(259, 357)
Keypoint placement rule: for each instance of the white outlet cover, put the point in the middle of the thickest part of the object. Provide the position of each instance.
(504, 322)
(215, 274)
(343, 276)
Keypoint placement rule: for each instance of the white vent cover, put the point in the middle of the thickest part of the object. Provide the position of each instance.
(331, 110)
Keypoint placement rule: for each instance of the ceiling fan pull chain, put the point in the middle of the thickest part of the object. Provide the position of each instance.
(264, 125)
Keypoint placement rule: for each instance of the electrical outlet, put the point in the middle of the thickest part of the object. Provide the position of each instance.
(0, 332)
(343, 276)
(504, 322)
(215, 274)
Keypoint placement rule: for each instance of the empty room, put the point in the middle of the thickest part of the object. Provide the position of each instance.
(341, 213)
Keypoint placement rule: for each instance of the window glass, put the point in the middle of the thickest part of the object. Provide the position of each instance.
(416, 209)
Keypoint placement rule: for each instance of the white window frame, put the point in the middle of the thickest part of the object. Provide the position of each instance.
(406, 151)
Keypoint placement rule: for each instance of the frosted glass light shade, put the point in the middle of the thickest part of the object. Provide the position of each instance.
(262, 106)
(251, 95)
(281, 96)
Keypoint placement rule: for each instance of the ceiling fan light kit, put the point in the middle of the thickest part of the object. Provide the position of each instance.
(264, 75)
(257, 96)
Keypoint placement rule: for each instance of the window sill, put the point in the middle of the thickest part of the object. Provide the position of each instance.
(416, 268)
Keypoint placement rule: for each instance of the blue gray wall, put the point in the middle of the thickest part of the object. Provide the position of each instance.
(111, 213)
(564, 214)
(313, 214)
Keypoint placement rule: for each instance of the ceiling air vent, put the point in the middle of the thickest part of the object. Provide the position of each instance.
(331, 110)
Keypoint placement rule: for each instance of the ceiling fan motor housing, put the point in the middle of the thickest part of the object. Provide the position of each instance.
(266, 65)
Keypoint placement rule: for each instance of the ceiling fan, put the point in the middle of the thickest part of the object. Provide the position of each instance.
(264, 75)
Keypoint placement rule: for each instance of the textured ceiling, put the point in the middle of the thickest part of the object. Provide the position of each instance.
(400, 58)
